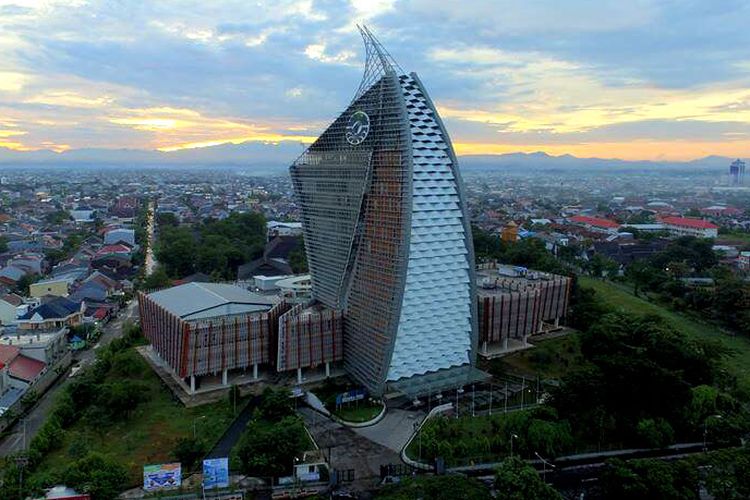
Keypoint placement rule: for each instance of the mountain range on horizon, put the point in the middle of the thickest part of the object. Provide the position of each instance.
(282, 154)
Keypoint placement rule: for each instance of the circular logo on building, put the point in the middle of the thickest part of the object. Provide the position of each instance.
(357, 128)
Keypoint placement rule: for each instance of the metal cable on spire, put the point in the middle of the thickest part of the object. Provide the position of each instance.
(378, 62)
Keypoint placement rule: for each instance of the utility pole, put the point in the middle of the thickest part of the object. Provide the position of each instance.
(512, 436)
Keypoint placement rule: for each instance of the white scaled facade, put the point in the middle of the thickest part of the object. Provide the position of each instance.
(435, 328)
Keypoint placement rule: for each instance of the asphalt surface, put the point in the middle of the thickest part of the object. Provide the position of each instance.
(14, 440)
(234, 432)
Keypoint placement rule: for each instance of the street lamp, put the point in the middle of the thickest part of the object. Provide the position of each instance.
(195, 420)
(544, 467)
(512, 436)
(705, 431)
(460, 390)
(419, 439)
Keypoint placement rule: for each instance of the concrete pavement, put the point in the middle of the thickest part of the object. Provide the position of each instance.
(394, 430)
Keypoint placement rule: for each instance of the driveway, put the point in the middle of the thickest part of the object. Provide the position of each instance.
(394, 430)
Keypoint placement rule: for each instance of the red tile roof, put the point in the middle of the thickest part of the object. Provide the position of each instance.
(689, 222)
(26, 368)
(8, 353)
(595, 221)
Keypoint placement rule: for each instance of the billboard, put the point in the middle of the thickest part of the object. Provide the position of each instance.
(216, 473)
(162, 476)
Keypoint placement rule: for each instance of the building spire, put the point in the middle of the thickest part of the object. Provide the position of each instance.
(378, 62)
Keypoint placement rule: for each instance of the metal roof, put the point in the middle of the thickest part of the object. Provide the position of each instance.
(193, 301)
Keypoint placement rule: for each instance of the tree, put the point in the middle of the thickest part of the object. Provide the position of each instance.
(655, 433)
(157, 279)
(516, 480)
(188, 451)
(3, 244)
(99, 475)
(268, 450)
(275, 404)
(176, 251)
(436, 488)
(638, 273)
(298, 258)
(727, 476)
(649, 480)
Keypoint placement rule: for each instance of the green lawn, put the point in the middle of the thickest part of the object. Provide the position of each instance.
(549, 359)
(363, 412)
(620, 297)
(148, 436)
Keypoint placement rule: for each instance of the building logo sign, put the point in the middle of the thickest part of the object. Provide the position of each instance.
(357, 128)
(350, 396)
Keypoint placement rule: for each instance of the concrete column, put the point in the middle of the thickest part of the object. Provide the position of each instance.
(525, 340)
(557, 322)
(299, 375)
(484, 347)
(541, 326)
(192, 384)
(328, 369)
(224, 377)
(255, 371)
(505, 343)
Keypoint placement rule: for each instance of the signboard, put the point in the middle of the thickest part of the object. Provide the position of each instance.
(349, 396)
(216, 473)
(162, 476)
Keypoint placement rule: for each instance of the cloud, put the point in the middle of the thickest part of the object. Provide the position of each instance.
(580, 75)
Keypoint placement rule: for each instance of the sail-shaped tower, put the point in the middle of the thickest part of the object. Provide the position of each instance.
(388, 236)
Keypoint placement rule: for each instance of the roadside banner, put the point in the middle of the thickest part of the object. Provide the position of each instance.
(162, 476)
(216, 473)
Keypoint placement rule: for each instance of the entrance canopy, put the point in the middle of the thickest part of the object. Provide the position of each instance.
(436, 382)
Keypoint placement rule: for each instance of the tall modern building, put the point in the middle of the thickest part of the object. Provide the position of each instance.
(737, 172)
(388, 237)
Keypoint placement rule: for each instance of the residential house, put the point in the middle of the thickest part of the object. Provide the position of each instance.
(10, 306)
(52, 315)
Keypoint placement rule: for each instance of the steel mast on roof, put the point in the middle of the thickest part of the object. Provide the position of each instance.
(378, 62)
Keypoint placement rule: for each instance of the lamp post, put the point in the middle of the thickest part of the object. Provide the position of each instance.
(544, 467)
(419, 439)
(195, 420)
(473, 395)
(705, 431)
(490, 399)
(512, 436)
(460, 390)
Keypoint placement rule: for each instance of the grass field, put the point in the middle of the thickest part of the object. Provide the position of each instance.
(620, 298)
(148, 436)
(549, 359)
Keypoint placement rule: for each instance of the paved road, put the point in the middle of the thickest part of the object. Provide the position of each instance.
(349, 450)
(35, 418)
(394, 430)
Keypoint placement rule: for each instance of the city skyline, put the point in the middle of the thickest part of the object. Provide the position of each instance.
(637, 81)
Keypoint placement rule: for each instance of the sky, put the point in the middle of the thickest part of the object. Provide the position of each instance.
(636, 79)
